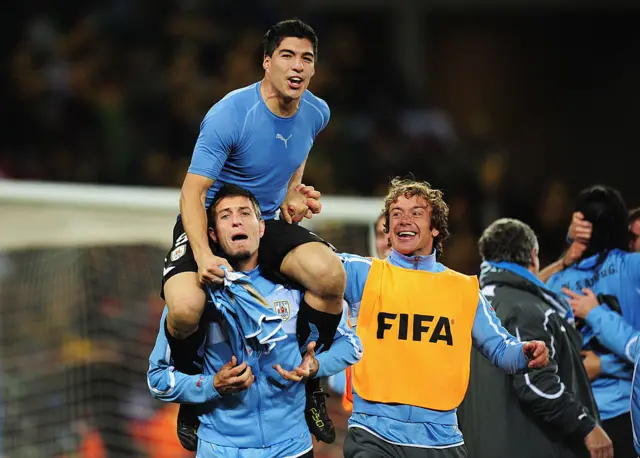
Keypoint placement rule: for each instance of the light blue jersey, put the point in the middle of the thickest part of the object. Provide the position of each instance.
(242, 142)
(417, 426)
(624, 340)
(266, 420)
(618, 275)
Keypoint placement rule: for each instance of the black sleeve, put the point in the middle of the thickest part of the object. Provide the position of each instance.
(541, 390)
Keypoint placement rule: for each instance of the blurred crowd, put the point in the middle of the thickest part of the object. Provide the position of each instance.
(115, 94)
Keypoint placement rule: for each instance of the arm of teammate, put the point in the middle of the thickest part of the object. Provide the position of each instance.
(542, 391)
(609, 327)
(357, 269)
(218, 134)
(495, 342)
(613, 331)
(635, 406)
(167, 384)
(345, 351)
(571, 255)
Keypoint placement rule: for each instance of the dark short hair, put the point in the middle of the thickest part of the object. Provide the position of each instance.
(289, 28)
(508, 240)
(231, 190)
(408, 187)
(605, 209)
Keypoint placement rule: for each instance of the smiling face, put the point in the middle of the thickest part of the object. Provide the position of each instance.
(238, 229)
(290, 67)
(410, 226)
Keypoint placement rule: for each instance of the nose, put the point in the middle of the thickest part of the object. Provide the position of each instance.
(236, 221)
(406, 219)
(298, 65)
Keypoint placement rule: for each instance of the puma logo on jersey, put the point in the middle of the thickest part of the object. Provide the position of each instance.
(441, 331)
(284, 140)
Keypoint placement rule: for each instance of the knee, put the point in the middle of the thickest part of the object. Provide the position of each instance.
(329, 277)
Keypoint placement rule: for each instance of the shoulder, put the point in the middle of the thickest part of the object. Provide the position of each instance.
(237, 102)
(625, 256)
(319, 106)
(347, 258)
(558, 278)
(470, 280)
(513, 301)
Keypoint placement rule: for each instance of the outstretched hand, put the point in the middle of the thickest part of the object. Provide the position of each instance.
(307, 369)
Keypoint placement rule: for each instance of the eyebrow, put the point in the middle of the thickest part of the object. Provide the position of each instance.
(228, 209)
(423, 207)
(306, 53)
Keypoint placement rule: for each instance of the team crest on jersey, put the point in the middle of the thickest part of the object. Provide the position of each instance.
(178, 253)
(283, 309)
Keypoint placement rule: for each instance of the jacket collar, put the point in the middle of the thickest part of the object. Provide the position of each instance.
(413, 262)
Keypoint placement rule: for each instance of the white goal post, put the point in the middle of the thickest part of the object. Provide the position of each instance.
(40, 214)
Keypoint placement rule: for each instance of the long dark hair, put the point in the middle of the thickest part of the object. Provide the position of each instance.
(606, 210)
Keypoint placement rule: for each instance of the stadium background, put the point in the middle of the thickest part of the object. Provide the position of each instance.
(510, 107)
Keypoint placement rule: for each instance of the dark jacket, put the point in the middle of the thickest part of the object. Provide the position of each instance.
(543, 414)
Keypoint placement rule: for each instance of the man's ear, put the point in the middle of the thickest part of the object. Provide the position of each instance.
(213, 235)
(261, 228)
(435, 232)
(266, 63)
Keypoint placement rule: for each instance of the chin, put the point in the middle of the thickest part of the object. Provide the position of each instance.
(240, 255)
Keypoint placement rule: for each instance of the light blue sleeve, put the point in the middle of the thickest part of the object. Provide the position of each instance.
(613, 331)
(219, 132)
(345, 351)
(357, 269)
(495, 342)
(167, 384)
(338, 383)
(325, 113)
(635, 406)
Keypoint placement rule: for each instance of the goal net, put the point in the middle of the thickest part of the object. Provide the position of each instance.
(80, 270)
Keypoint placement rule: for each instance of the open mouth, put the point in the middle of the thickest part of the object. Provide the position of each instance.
(295, 82)
(406, 235)
(237, 237)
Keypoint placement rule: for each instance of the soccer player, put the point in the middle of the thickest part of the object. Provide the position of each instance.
(615, 334)
(258, 137)
(252, 403)
(607, 268)
(552, 409)
(417, 321)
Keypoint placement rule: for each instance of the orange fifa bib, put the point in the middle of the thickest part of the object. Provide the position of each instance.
(415, 328)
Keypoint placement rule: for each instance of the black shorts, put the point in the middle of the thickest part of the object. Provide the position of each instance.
(360, 443)
(279, 238)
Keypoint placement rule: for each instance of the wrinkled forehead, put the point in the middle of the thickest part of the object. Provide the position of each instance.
(229, 204)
